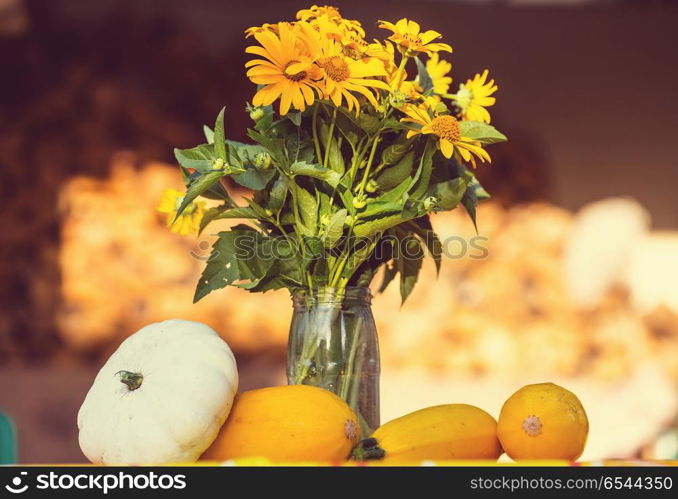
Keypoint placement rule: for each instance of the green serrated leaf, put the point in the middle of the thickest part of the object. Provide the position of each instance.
(197, 187)
(254, 178)
(235, 258)
(294, 117)
(423, 176)
(394, 153)
(335, 228)
(424, 230)
(278, 193)
(448, 193)
(482, 132)
(391, 177)
(308, 208)
(390, 272)
(200, 158)
(316, 171)
(409, 263)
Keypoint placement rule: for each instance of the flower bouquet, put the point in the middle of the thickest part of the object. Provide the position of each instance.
(355, 143)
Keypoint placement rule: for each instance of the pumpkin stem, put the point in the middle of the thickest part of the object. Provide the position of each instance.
(132, 380)
(368, 449)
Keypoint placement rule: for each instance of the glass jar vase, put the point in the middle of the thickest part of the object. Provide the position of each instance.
(333, 345)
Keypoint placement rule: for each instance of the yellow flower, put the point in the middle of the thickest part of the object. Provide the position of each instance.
(189, 220)
(447, 129)
(409, 38)
(286, 70)
(258, 29)
(332, 14)
(438, 70)
(474, 96)
(342, 76)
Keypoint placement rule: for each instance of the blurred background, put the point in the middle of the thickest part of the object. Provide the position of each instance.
(579, 285)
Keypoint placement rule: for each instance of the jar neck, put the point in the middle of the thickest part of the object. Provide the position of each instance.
(350, 296)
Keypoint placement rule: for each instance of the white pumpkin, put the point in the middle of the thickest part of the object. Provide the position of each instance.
(160, 398)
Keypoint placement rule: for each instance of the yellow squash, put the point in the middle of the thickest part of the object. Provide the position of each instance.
(543, 421)
(287, 423)
(444, 432)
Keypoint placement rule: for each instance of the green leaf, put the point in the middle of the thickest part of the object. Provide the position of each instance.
(209, 134)
(308, 208)
(369, 123)
(448, 193)
(219, 138)
(390, 272)
(394, 153)
(394, 175)
(482, 132)
(200, 158)
(424, 230)
(409, 263)
(316, 171)
(274, 146)
(423, 77)
(368, 228)
(335, 228)
(235, 257)
(224, 211)
(200, 185)
(294, 117)
(470, 202)
(278, 193)
(423, 175)
(254, 178)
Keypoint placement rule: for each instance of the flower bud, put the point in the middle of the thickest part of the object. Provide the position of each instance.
(430, 203)
(359, 202)
(257, 113)
(218, 164)
(372, 186)
(262, 160)
(398, 99)
(325, 219)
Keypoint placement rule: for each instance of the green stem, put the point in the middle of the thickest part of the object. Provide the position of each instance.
(361, 189)
(328, 146)
(399, 72)
(314, 126)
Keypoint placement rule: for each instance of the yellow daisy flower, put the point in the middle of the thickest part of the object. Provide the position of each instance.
(314, 13)
(474, 96)
(189, 220)
(286, 70)
(409, 38)
(342, 76)
(249, 32)
(438, 69)
(446, 128)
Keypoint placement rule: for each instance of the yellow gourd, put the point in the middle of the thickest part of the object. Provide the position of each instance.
(543, 421)
(444, 432)
(287, 423)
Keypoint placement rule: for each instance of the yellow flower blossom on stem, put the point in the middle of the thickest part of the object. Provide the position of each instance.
(342, 76)
(438, 70)
(285, 70)
(447, 129)
(189, 220)
(474, 96)
(409, 38)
